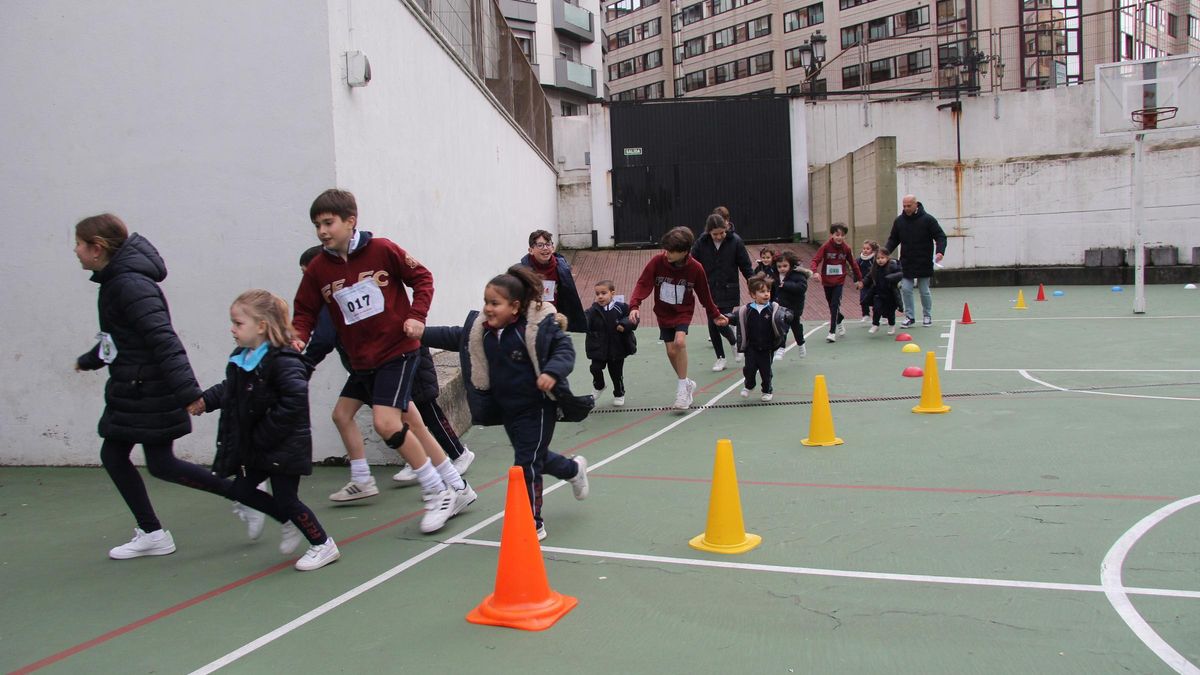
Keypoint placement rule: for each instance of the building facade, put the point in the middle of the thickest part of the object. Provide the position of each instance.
(659, 49)
(561, 40)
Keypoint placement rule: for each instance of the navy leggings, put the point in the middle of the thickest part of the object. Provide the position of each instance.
(163, 464)
(282, 504)
(435, 420)
(715, 333)
(530, 433)
(833, 295)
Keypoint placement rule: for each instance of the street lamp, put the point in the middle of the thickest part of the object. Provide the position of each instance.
(812, 58)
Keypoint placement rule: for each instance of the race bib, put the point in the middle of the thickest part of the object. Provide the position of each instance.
(672, 294)
(833, 270)
(107, 349)
(548, 288)
(360, 301)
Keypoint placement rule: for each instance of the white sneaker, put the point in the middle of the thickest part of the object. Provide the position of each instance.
(842, 328)
(464, 461)
(740, 357)
(406, 476)
(437, 509)
(891, 330)
(618, 401)
(802, 351)
(873, 329)
(691, 391)
(864, 319)
(831, 338)
(596, 394)
(719, 365)
(318, 556)
(541, 531)
(254, 520)
(681, 399)
(289, 537)
(463, 498)
(355, 490)
(745, 393)
(579, 483)
(778, 355)
(766, 398)
(158, 542)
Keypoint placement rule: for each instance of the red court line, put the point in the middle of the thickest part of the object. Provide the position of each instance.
(903, 488)
(101, 639)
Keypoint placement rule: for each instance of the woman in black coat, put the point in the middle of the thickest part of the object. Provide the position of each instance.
(723, 256)
(150, 382)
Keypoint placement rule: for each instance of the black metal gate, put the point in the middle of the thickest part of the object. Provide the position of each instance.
(675, 161)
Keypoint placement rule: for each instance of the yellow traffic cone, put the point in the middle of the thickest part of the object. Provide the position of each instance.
(931, 391)
(725, 532)
(820, 424)
(1020, 300)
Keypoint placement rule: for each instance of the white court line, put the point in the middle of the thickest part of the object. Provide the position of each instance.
(1025, 374)
(1110, 579)
(460, 537)
(950, 347)
(853, 574)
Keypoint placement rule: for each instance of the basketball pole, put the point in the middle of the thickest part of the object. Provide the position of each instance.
(1139, 243)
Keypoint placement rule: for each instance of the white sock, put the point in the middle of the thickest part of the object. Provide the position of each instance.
(359, 471)
(449, 475)
(430, 480)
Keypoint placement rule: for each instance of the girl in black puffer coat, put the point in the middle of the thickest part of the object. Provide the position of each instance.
(264, 430)
(150, 380)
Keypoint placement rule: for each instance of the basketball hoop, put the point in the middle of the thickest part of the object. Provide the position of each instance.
(1149, 117)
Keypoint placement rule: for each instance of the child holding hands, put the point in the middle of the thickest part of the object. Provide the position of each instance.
(610, 340)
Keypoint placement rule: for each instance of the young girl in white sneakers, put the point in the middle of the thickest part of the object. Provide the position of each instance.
(264, 431)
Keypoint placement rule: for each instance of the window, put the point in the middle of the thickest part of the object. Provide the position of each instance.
(878, 29)
(570, 109)
(525, 44)
(1172, 25)
(724, 73)
(1193, 26)
(693, 47)
(759, 27)
(911, 21)
(652, 60)
(804, 17)
(692, 13)
(622, 8)
(723, 38)
(637, 64)
(721, 6)
(852, 36)
(568, 52)
(881, 70)
(647, 93)
(851, 77)
(791, 58)
(635, 34)
(760, 63)
(678, 55)
(694, 81)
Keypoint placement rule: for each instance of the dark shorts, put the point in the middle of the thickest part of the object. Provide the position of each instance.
(667, 333)
(388, 385)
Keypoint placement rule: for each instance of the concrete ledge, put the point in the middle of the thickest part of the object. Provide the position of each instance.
(1063, 276)
(452, 395)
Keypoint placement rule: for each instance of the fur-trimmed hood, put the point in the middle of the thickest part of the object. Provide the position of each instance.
(533, 324)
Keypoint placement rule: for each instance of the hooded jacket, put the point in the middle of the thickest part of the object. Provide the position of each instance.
(550, 351)
(568, 301)
(722, 265)
(919, 237)
(604, 342)
(150, 382)
(264, 416)
(884, 282)
(781, 320)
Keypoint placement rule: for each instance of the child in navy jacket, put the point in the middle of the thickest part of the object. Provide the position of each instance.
(610, 340)
(763, 328)
(793, 287)
(883, 285)
(515, 360)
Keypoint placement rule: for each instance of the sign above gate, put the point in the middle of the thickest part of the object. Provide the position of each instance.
(633, 152)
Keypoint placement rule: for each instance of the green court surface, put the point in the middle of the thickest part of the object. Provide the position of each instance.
(1045, 524)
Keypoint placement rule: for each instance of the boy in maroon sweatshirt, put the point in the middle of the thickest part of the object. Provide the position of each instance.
(362, 280)
(676, 281)
(830, 265)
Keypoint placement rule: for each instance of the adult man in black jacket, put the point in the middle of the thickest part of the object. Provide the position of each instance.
(922, 242)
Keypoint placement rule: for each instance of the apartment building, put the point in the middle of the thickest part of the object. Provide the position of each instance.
(656, 49)
(560, 39)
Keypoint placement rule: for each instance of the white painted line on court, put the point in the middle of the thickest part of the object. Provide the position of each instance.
(950, 345)
(853, 574)
(1118, 596)
(1026, 375)
(459, 538)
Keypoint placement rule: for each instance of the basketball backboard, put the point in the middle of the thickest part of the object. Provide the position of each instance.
(1148, 96)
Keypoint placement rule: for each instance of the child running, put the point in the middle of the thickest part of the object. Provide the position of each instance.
(883, 285)
(610, 340)
(677, 280)
(762, 328)
(767, 266)
(515, 360)
(793, 287)
(364, 278)
(264, 432)
(866, 260)
(150, 381)
(830, 265)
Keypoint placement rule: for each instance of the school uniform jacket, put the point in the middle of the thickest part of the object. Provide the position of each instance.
(375, 340)
(884, 281)
(603, 342)
(685, 283)
(567, 296)
(264, 416)
(550, 351)
(832, 257)
(793, 289)
(150, 382)
(781, 320)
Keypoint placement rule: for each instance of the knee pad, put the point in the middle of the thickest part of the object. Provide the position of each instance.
(397, 438)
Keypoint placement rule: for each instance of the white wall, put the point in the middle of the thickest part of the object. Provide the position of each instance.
(209, 128)
(1038, 186)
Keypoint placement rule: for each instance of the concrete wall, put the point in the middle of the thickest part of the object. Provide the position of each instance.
(209, 128)
(1037, 187)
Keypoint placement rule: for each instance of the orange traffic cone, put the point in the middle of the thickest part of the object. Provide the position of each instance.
(966, 314)
(523, 597)
(1041, 296)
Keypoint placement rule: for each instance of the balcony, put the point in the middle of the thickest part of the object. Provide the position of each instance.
(575, 77)
(574, 21)
(519, 10)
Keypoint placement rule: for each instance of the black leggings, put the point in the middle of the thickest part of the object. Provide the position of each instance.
(439, 427)
(797, 327)
(616, 369)
(715, 333)
(833, 295)
(282, 504)
(162, 464)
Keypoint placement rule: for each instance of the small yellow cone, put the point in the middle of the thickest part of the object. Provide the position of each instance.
(820, 425)
(725, 532)
(931, 391)
(1020, 300)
